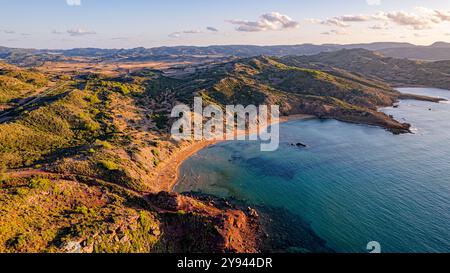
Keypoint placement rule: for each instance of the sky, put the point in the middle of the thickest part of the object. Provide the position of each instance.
(151, 23)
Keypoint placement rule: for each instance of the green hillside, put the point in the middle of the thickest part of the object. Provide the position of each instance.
(18, 83)
(296, 88)
(400, 72)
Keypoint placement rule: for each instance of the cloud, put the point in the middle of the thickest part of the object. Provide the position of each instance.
(57, 32)
(373, 2)
(73, 2)
(180, 33)
(80, 32)
(191, 31)
(384, 26)
(442, 15)
(421, 18)
(312, 21)
(354, 18)
(342, 21)
(213, 29)
(335, 22)
(409, 19)
(266, 22)
(336, 32)
(7, 31)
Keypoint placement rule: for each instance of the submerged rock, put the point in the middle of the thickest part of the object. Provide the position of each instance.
(299, 144)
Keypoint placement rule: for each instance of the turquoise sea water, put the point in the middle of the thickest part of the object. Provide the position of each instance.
(353, 183)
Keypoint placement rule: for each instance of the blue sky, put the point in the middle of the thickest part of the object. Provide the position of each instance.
(149, 23)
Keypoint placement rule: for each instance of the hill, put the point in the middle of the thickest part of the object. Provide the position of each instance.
(16, 83)
(397, 72)
(436, 52)
(296, 87)
(35, 57)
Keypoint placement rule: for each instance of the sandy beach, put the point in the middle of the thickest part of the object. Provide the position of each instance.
(167, 175)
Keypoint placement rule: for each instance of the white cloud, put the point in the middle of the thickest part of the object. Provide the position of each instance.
(336, 32)
(421, 18)
(373, 2)
(73, 2)
(342, 21)
(335, 22)
(180, 33)
(80, 32)
(354, 18)
(312, 21)
(409, 19)
(266, 22)
(443, 15)
(384, 26)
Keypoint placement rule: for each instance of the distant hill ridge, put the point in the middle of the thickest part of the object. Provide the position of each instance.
(374, 65)
(435, 52)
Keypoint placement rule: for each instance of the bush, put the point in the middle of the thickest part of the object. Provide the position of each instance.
(109, 165)
(91, 126)
(22, 191)
(155, 152)
(39, 183)
(104, 144)
(82, 210)
(18, 242)
(155, 162)
(93, 99)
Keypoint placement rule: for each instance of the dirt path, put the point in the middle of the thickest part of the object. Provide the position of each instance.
(24, 173)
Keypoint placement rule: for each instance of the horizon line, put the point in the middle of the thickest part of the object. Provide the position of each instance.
(212, 45)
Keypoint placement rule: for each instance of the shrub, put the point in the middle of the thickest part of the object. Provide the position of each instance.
(104, 144)
(39, 183)
(81, 210)
(18, 242)
(155, 162)
(155, 152)
(91, 126)
(109, 165)
(21, 191)
(93, 99)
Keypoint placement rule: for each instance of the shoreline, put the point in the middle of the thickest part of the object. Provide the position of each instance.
(168, 175)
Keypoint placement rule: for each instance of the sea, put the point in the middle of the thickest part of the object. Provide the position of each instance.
(351, 185)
